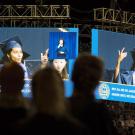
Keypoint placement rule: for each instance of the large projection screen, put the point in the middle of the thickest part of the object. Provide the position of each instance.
(106, 45)
(35, 41)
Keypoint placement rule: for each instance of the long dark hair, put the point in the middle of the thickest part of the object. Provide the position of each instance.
(5, 58)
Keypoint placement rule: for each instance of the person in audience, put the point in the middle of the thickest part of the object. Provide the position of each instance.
(12, 50)
(13, 106)
(87, 72)
(59, 64)
(52, 113)
(127, 77)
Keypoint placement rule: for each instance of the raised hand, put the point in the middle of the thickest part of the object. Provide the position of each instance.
(122, 55)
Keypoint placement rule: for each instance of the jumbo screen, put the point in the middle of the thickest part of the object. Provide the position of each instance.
(108, 45)
(36, 40)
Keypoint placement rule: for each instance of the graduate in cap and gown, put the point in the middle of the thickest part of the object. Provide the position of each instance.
(12, 52)
(127, 77)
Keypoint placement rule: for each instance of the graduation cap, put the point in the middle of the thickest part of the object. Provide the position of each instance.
(13, 42)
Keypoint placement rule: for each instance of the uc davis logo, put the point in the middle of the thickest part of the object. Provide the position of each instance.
(104, 91)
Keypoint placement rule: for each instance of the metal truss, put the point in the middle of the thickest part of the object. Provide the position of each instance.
(114, 16)
(114, 20)
(32, 15)
(36, 23)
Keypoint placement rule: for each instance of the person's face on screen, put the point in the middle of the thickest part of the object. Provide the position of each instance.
(16, 55)
(44, 57)
(59, 64)
(61, 42)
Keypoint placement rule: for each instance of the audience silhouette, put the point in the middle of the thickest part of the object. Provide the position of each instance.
(87, 72)
(52, 113)
(13, 106)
